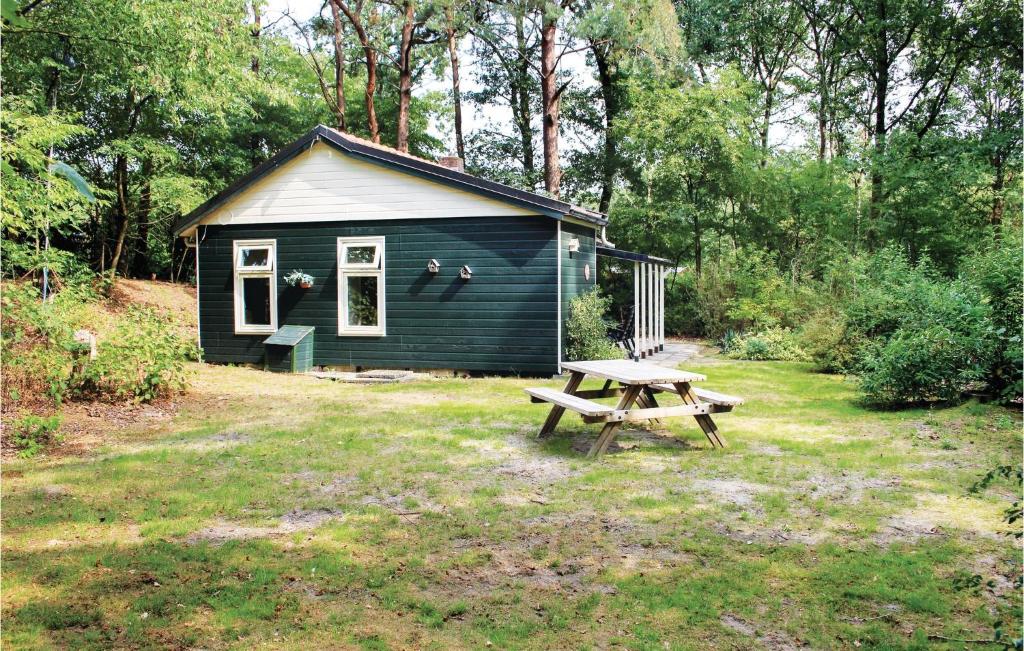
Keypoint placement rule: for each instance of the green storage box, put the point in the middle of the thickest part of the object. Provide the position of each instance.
(289, 350)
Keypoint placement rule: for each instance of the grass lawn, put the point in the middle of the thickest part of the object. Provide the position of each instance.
(288, 512)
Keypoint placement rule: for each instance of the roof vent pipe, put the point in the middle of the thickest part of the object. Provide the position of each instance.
(452, 163)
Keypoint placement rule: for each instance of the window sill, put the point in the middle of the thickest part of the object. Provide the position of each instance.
(256, 331)
(361, 333)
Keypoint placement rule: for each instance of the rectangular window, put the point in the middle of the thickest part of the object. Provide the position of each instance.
(361, 286)
(255, 286)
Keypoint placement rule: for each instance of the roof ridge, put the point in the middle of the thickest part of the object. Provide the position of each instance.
(377, 145)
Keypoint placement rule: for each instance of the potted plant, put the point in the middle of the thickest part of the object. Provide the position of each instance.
(298, 279)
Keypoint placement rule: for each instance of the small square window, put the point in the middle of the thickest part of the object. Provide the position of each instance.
(255, 258)
(361, 255)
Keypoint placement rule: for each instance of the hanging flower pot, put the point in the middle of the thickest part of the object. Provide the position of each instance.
(298, 279)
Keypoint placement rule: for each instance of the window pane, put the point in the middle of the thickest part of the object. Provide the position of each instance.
(254, 257)
(360, 254)
(256, 301)
(362, 300)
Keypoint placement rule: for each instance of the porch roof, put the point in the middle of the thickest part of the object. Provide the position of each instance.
(631, 255)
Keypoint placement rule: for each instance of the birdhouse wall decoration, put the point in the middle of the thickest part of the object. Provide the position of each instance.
(433, 266)
(465, 273)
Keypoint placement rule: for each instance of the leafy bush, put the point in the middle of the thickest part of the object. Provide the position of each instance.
(33, 433)
(746, 292)
(682, 316)
(996, 272)
(38, 343)
(921, 364)
(141, 355)
(587, 330)
(917, 336)
(771, 344)
(144, 358)
(827, 343)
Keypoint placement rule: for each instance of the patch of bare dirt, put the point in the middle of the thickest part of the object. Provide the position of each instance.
(751, 534)
(516, 458)
(846, 487)
(408, 505)
(291, 522)
(907, 527)
(731, 491)
(773, 640)
(575, 551)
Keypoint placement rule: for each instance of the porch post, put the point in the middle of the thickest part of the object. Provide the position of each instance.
(643, 309)
(655, 272)
(636, 311)
(653, 308)
(650, 310)
(661, 298)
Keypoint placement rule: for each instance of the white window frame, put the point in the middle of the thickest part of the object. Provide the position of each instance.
(267, 271)
(373, 269)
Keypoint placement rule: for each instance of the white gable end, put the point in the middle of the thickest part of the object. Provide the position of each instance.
(324, 184)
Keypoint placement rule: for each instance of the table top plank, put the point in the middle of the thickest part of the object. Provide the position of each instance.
(630, 372)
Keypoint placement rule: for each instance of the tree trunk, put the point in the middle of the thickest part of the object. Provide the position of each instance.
(881, 64)
(254, 65)
(371, 67)
(339, 69)
(255, 141)
(521, 100)
(140, 260)
(766, 122)
(698, 253)
(405, 77)
(998, 184)
(453, 55)
(121, 210)
(611, 111)
(550, 100)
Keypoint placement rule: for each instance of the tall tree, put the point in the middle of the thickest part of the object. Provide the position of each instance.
(354, 13)
(454, 20)
(911, 52)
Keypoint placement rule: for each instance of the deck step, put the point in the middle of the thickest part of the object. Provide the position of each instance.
(705, 395)
(581, 406)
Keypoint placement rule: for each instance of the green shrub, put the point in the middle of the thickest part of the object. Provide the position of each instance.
(827, 343)
(922, 364)
(771, 344)
(144, 358)
(746, 292)
(682, 315)
(38, 343)
(31, 433)
(996, 271)
(587, 330)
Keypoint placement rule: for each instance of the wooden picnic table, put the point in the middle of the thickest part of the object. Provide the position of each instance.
(638, 382)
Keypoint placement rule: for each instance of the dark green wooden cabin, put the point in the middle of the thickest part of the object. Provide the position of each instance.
(415, 264)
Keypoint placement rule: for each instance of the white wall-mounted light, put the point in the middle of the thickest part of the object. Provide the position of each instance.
(574, 245)
(433, 266)
(465, 273)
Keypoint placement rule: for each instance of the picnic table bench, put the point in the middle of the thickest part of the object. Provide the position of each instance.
(638, 383)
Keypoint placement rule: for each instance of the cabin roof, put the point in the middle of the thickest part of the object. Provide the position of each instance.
(398, 160)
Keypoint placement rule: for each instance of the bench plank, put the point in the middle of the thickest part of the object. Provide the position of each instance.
(579, 405)
(705, 395)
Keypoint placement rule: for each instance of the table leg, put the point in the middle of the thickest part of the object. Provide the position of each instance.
(649, 401)
(556, 412)
(607, 435)
(706, 424)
